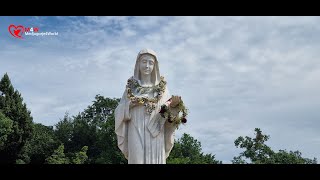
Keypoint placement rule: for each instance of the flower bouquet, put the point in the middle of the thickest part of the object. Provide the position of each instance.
(177, 114)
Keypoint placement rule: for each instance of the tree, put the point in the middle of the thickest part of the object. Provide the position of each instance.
(59, 157)
(5, 130)
(64, 131)
(187, 150)
(107, 140)
(94, 127)
(80, 157)
(292, 157)
(259, 153)
(12, 106)
(41, 145)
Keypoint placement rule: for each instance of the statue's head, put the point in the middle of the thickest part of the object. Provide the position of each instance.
(147, 64)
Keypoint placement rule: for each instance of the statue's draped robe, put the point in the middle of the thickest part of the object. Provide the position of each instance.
(142, 137)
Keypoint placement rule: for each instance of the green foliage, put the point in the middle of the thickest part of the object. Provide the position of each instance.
(259, 153)
(178, 160)
(58, 156)
(5, 130)
(292, 157)
(256, 150)
(94, 127)
(12, 107)
(20, 161)
(41, 145)
(80, 157)
(64, 129)
(187, 150)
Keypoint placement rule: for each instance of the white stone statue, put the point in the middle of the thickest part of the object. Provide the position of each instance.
(144, 135)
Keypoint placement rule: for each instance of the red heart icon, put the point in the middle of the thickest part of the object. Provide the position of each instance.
(17, 31)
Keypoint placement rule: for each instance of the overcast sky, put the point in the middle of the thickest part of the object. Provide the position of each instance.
(234, 73)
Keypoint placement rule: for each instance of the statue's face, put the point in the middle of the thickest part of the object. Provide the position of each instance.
(146, 64)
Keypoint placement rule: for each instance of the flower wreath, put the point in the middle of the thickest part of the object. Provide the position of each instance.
(181, 117)
(149, 103)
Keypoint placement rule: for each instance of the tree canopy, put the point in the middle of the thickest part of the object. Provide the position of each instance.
(257, 152)
(15, 122)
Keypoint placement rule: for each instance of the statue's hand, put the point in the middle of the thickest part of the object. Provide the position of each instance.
(175, 100)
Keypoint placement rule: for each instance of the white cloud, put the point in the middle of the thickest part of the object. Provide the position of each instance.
(234, 73)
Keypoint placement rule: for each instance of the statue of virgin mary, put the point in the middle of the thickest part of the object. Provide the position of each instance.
(144, 136)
